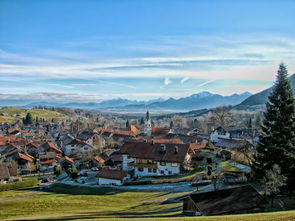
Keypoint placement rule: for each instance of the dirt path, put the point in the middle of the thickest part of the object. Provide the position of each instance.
(21, 197)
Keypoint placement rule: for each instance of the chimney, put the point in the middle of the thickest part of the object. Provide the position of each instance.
(176, 149)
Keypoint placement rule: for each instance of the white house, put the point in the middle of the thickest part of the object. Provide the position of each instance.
(218, 133)
(76, 146)
(152, 159)
(107, 176)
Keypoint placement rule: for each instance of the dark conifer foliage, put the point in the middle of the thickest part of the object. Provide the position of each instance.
(277, 144)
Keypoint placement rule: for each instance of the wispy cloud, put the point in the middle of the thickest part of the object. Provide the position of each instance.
(183, 80)
(206, 83)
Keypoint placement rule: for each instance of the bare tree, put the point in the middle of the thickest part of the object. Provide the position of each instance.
(221, 116)
(273, 181)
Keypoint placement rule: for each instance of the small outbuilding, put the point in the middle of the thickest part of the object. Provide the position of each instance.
(108, 176)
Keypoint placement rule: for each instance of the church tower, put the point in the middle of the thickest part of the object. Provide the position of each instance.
(148, 125)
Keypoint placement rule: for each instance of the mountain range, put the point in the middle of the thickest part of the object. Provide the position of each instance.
(197, 101)
(259, 99)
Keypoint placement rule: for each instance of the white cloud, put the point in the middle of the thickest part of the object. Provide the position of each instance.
(167, 81)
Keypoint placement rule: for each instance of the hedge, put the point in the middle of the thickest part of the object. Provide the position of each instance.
(19, 184)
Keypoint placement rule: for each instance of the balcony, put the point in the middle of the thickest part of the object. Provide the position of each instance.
(143, 165)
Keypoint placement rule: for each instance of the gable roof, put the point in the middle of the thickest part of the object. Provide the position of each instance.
(232, 143)
(155, 151)
(156, 131)
(111, 174)
(227, 201)
(85, 135)
(49, 145)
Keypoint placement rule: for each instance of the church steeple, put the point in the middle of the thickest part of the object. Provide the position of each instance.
(148, 125)
(147, 115)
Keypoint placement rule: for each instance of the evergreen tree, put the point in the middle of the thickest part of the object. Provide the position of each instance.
(277, 144)
(127, 124)
(250, 123)
(28, 119)
(171, 124)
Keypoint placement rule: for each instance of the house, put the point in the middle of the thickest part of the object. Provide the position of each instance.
(219, 132)
(243, 199)
(32, 148)
(91, 138)
(111, 176)
(76, 146)
(47, 153)
(151, 159)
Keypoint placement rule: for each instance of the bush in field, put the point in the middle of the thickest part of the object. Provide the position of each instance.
(19, 184)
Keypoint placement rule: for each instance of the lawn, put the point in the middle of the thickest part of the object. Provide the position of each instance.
(82, 203)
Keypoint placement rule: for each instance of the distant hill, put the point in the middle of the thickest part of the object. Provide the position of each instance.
(203, 100)
(261, 98)
(13, 114)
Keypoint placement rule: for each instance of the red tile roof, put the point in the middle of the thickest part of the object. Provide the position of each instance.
(99, 159)
(70, 160)
(196, 146)
(26, 157)
(111, 174)
(46, 162)
(52, 146)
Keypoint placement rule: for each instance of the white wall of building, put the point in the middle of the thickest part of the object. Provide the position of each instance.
(104, 181)
(215, 136)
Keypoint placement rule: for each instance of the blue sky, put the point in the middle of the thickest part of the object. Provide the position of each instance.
(143, 49)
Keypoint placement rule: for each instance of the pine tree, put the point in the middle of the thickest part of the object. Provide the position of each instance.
(28, 119)
(250, 123)
(141, 121)
(127, 124)
(277, 144)
(171, 124)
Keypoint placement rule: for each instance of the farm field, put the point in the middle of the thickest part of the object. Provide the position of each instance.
(82, 203)
(14, 114)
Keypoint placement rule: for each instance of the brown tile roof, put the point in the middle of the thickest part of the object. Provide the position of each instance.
(160, 131)
(111, 174)
(155, 151)
(226, 201)
(196, 146)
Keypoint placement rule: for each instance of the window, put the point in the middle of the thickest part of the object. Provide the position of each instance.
(140, 169)
(174, 164)
(150, 170)
(162, 163)
(85, 148)
(170, 172)
(154, 170)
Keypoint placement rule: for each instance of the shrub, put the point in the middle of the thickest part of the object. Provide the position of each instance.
(19, 184)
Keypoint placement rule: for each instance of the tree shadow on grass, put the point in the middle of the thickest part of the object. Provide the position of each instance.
(171, 212)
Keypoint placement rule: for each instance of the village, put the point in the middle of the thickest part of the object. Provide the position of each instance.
(216, 165)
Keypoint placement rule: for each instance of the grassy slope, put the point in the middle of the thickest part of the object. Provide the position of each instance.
(40, 113)
(106, 204)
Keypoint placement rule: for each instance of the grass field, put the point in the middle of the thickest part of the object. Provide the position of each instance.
(82, 203)
(40, 113)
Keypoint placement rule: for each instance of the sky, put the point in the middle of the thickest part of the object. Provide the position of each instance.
(143, 49)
